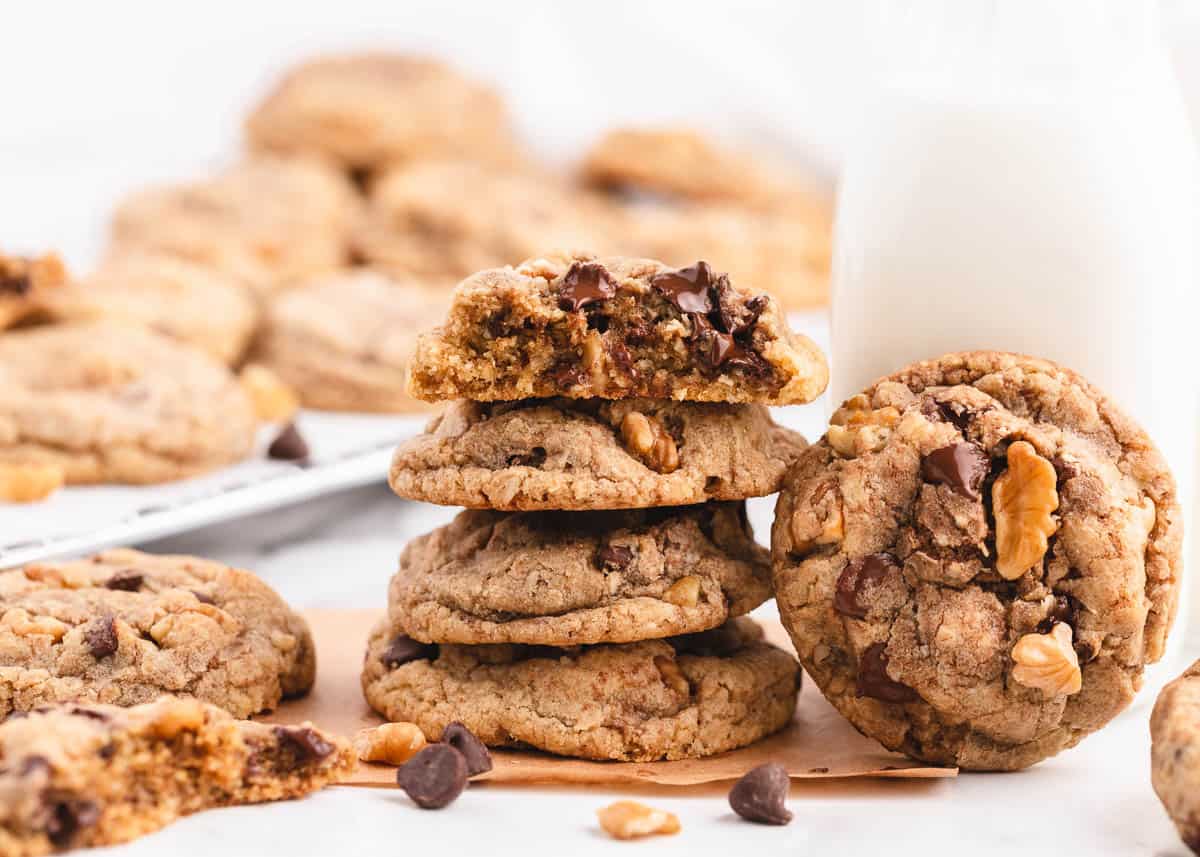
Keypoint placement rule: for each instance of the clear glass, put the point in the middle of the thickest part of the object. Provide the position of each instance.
(1025, 180)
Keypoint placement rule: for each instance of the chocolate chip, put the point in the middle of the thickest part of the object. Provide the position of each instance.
(101, 637)
(873, 680)
(434, 777)
(585, 283)
(67, 817)
(288, 445)
(1064, 610)
(567, 374)
(614, 557)
(688, 288)
(403, 649)
(462, 739)
(620, 357)
(15, 284)
(203, 598)
(301, 745)
(126, 580)
(536, 457)
(962, 466)
(1086, 651)
(760, 794)
(89, 713)
(856, 576)
(954, 413)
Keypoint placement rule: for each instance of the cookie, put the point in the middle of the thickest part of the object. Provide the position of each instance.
(268, 221)
(573, 578)
(26, 284)
(680, 698)
(365, 111)
(124, 627)
(614, 328)
(593, 454)
(75, 776)
(1175, 753)
(198, 305)
(112, 402)
(342, 341)
(978, 560)
(441, 221)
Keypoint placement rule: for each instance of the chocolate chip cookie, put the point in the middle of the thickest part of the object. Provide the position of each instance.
(593, 454)
(441, 221)
(683, 697)
(365, 111)
(615, 328)
(1175, 753)
(26, 284)
(125, 627)
(75, 776)
(268, 221)
(202, 306)
(978, 559)
(566, 579)
(107, 401)
(342, 341)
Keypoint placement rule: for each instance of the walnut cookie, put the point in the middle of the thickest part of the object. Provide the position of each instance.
(614, 328)
(679, 698)
(1175, 753)
(593, 454)
(125, 627)
(978, 559)
(570, 578)
(75, 776)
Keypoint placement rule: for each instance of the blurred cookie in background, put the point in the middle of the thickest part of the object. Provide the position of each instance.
(343, 341)
(445, 220)
(365, 111)
(268, 220)
(186, 301)
(26, 283)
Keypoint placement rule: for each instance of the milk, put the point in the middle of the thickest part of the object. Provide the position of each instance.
(1029, 202)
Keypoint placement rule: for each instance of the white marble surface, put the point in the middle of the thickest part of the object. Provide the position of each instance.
(339, 552)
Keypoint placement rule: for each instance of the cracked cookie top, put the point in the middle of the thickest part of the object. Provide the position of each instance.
(570, 578)
(125, 627)
(593, 454)
(614, 328)
(978, 559)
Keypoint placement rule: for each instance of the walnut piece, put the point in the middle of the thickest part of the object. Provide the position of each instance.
(394, 743)
(672, 676)
(184, 715)
(684, 592)
(856, 429)
(646, 438)
(593, 359)
(1023, 500)
(28, 483)
(628, 819)
(22, 623)
(1048, 662)
(274, 401)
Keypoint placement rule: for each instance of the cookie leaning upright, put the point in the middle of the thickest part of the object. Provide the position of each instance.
(591, 602)
(978, 559)
(1175, 753)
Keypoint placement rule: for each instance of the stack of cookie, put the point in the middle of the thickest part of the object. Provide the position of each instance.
(606, 422)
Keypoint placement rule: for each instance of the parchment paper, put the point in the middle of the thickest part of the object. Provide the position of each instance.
(818, 743)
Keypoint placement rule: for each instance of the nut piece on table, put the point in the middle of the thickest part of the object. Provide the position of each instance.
(394, 743)
(1023, 500)
(646, 438)
(28, 483)
(274, 401)
(628, 819)
(1048, 662)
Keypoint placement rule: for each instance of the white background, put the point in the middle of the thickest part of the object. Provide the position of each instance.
(101, 97)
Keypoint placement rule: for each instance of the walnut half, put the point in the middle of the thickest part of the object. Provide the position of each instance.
(1048, 662)
(1023, 501)
(649, 440)
(394, 743)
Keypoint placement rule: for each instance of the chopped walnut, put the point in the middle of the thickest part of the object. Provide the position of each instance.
(185, 716)
(593, 359)
(855, 429)
(672, 676)
(628, 819)
(820, 522)
(684, 592)
(394, 743)
(1023, 500)
(28, 483)
(1048, 662)
(274, 401)
(646, 438)
(24, 624)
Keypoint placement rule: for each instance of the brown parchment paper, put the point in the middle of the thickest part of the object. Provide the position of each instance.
(818, 743)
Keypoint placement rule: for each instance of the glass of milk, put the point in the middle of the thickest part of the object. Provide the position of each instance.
(1025, 180)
